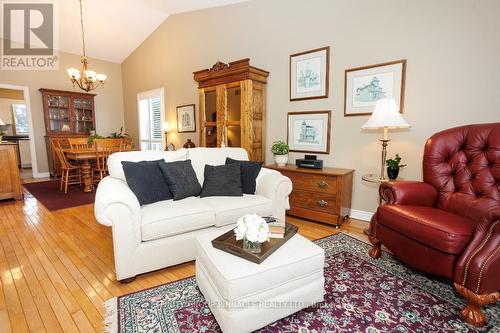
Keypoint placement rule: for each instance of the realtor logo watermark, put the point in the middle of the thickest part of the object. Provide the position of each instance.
(29, 35)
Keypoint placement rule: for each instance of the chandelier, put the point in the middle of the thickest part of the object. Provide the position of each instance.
(86, 79)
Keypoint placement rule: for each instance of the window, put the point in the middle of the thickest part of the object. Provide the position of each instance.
(20, 117)
(151, 110)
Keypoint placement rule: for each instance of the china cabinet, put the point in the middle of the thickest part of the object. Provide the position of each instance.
(232, 99)
(67, 115)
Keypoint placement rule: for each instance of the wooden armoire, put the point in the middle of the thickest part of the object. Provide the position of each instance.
(233, 107)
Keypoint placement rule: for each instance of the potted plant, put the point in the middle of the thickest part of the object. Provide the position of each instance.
(253, 230)
(393, 166)
(280, 150)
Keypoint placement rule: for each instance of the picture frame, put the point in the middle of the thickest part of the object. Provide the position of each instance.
(186, 118)
(20, 119)
(363, 86)
(309, 132)
(310, 74)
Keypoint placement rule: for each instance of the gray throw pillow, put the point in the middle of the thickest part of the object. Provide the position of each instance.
(181, 179)
(146, 181)
(222, 180)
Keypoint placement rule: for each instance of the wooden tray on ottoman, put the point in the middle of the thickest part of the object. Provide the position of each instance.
(228, 243)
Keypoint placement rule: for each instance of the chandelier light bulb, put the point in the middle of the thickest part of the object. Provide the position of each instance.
(101, 77)
(73, 73)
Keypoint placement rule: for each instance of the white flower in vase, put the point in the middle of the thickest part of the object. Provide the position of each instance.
(253, 228)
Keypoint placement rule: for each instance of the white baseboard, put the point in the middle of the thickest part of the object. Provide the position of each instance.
(361, 215)
(41, 175)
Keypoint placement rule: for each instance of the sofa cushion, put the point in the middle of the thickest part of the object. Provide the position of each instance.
(222, 180)
(168, 218)
(249, 172)
(146, 181)
(181, 179)
(115, 166)
(229, 209)
(213, 156)
(434, 227)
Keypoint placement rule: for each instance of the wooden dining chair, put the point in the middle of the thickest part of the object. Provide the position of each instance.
(103, 149)
(78, 143)
(126, 144)
(70, 174)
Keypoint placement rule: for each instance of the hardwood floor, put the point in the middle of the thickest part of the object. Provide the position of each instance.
(56, 268)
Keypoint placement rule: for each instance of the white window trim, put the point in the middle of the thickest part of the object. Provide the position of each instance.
(146, 95)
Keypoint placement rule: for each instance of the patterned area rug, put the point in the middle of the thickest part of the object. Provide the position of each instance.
(362, 295)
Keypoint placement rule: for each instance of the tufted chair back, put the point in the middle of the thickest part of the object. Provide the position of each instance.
(463, 164)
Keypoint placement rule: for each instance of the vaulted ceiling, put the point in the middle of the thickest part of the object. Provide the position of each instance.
(115, 28)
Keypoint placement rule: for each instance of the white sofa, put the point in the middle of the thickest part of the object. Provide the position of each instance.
(162, 234)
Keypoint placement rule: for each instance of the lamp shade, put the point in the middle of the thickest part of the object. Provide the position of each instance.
(1, 122)
(165, 126)
(386, 114)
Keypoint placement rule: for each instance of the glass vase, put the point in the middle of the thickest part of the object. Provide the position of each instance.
(252, 247)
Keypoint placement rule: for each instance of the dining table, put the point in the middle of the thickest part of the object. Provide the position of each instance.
(83, 157)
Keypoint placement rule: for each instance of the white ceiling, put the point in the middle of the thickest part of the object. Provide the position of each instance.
(115, 28)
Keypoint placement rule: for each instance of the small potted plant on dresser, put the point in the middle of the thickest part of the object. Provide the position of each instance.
(280, 150)
(393, 166)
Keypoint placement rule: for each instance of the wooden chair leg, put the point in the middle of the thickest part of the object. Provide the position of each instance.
(62, 181)
(66, 185)
(376, 250)
(473, 311)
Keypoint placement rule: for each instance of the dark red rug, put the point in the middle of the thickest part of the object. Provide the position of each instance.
(50, 196)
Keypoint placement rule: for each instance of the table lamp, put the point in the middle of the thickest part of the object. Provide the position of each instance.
(166, 128)
(385, 116)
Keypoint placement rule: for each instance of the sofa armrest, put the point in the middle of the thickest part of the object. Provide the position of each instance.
(408, 193)
(113, 191)
(117, 206)
(273, 185)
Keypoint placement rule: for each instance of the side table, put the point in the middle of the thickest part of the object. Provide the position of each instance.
(373, 178)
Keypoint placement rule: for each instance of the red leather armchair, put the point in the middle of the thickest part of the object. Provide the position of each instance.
(449, 224)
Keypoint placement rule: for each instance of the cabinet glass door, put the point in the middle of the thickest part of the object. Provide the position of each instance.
(59, 114)
(210, 130)
(233, 117)
(83, 115)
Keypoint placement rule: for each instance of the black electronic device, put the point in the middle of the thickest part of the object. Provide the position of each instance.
(309, 161)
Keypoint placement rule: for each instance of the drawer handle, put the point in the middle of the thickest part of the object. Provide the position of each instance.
(322, 184)
(322, 203)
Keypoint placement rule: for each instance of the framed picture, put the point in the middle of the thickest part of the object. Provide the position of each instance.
(309, 132)
(186, 120)
(364, 86)
(309, 74)
(20, 119)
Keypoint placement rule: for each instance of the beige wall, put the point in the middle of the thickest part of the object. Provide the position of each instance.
(453, 73)
(108, 102)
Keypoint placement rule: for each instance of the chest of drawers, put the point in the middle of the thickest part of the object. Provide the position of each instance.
(322, 195)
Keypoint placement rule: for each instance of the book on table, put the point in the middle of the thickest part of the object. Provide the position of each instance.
(276, 227)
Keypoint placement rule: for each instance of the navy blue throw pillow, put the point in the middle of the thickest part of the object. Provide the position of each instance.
(181, 179)
(222, 180)
(249, 172)
(146, 181)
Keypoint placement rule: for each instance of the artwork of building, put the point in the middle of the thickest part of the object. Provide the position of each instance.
(371, 92)
(186, 120)
(308, 133)
(308, 78)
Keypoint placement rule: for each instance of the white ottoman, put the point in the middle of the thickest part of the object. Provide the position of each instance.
(244, 296)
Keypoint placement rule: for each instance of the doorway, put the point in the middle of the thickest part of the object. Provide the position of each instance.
(15, 114)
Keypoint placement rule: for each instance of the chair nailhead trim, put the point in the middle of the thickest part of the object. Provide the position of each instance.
(485, 240)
